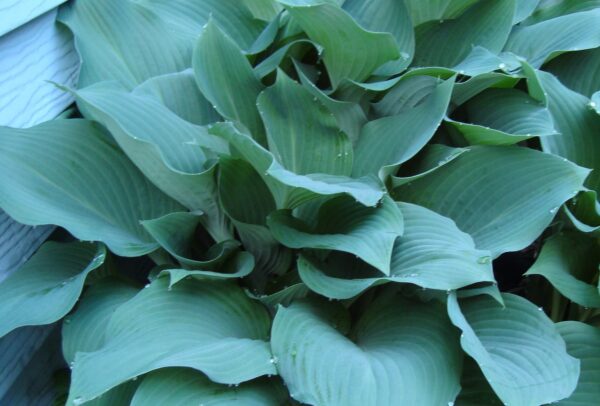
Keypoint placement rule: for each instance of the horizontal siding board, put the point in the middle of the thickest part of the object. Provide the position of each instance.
(15, 13)
(30, 57)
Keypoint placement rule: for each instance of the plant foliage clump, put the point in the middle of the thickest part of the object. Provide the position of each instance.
(322, 196)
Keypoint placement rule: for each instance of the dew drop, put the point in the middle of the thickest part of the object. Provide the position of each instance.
(554, 210)
(72, 364)
(78, 401)
(67, 321)
(147, 286)
(413, 275)
(135, 378)
(592, 105)
(450, 403)
(502, 66)
(540, 309)
(274, 360)
(404, 55)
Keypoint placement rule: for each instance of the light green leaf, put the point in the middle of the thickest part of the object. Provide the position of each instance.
(290, 189)
(46, 287)
(83, 331)
(487, 24)
(504, 117)
(176, 233)
(333, 28)
(209, 326)
(577, 124)
(179, 93)
(81, 181)
(432, 253)
(517, 347)
(477, 191)
(583, 342)
(345, 225)
(226, 78)
(160, 143)
(579, 71)
(570, 262)
(540, 42)
(396, 350)
(299, 126)
(387, 142)
(184, 387)
(386, 16)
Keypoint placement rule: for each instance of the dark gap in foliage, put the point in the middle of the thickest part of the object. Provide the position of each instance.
(510, 267)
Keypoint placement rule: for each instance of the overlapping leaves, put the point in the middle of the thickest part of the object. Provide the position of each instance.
(264, 154)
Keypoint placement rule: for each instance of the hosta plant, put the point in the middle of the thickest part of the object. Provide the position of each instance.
(330, 202)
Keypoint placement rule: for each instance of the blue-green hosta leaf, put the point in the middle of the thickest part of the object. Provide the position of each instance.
(189, 16)
(299, 126)
(577, 124)
(570, 262)
(175, 232)
(333, 28)
(432, 253)
(583, 342)
(263, 9)
(160, 144)
(388, 142)
(549, 9)
(184, 387)
(48, 285)
(539, 42)
(238, 266)
(579, 71)
(81, 181)
(83, 331)
(504, 117)
(345, 225)
(470, 88)
(247, 201)
(179, 93)
(209, 326)
(427, 10)
(430, 159)
(477, 191)
(289, 188)
(517, 347)
(22, 11)
(398, 350)
(595, 102)
(349, 115)
(226, 78)
(474, 388)
(584, 212)
(272, 62)
(124, 41)
(386, 16)
(487, 24)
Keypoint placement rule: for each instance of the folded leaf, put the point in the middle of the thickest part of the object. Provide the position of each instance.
(345, 225)
(209, 326)
(396, 350)
(432, 253)
(517, 347)
(48, 285)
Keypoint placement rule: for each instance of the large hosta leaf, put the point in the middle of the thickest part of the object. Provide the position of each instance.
(517, 347)
(345, 225)
(390, 141)
(397, 351)
(386, 16)
(577, 124)
(541, 41)
(477, 191)
(298, 126)
(503, 117)
(579, 71)
(81, 181)
(447, 42)
(570, 262)
(209, 326)
(83, 331)
(432, 253)
(583, 342)
(48, 285)
(291, 189)
(161, 144)
(226, 78)
(182, 387)
(333, 28)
